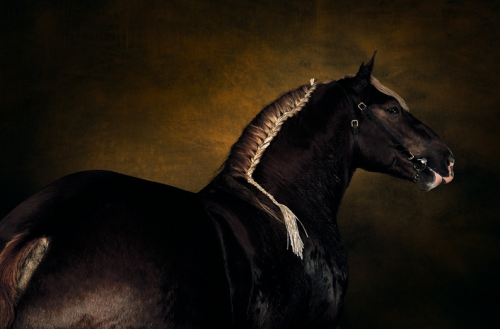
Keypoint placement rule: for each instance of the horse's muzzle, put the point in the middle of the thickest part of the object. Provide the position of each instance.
(444, 179)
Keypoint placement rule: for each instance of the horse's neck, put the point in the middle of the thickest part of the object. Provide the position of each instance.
(309, 171)
(307, 167)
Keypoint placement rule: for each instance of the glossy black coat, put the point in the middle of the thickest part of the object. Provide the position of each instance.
(125, 252)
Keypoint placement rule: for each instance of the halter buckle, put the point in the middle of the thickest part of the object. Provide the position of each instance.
(423, 163)
(362, 106)
(354, 123)
(411, 157)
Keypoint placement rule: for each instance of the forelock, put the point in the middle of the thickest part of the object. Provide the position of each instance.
(384, 90)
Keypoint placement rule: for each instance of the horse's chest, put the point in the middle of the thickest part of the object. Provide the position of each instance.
(310, 296)
(327, 275)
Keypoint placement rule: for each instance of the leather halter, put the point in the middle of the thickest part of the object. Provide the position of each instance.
(418, 164)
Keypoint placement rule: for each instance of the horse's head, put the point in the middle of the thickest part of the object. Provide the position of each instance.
(390, 139)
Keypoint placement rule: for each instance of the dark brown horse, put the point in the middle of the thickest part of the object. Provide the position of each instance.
(257, 248)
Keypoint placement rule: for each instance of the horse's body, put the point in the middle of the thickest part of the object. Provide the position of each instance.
(99, 249)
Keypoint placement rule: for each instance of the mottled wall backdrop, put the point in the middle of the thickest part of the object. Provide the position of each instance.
(161, 90)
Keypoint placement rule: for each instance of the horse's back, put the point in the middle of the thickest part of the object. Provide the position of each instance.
(122, 252)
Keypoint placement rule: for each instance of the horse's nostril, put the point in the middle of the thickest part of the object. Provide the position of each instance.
(451, 160)
(451, 163)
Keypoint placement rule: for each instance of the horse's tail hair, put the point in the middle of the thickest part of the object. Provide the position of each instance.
(18, 260)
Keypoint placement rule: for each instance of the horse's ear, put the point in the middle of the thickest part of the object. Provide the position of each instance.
(362, 79)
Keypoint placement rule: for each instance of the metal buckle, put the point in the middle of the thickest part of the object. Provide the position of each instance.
(423, 163)
(411, 157)
(362, 106)
(354, 122)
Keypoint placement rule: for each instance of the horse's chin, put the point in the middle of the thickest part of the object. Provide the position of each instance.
(429, 179)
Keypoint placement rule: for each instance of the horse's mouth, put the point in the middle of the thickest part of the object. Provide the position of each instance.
(432, 179)
(440, 179)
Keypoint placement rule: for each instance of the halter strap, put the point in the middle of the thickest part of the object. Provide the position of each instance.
(354, 121)
(352, 98)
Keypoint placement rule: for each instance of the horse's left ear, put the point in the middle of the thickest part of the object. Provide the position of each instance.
(363, 77)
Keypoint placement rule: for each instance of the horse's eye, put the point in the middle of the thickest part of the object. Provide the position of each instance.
(392, 111)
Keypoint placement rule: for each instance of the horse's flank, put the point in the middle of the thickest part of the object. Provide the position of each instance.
(18, 262)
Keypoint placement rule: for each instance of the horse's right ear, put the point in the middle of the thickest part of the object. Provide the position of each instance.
(362, 79)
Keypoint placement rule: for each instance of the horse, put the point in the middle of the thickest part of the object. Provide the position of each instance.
(258, 247)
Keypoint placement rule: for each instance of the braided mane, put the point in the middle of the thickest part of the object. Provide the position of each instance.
(247, 152)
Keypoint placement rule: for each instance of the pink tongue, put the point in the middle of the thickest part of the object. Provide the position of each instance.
(440, 179)
(447, 179)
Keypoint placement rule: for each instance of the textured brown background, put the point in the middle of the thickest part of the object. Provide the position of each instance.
(161, 89)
